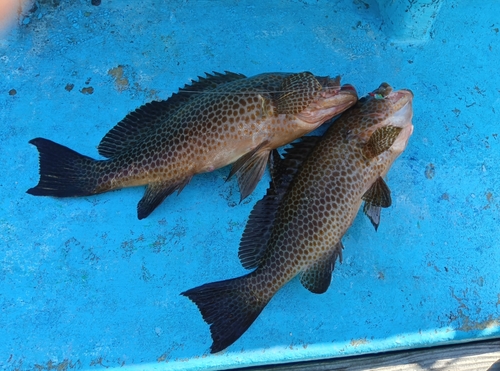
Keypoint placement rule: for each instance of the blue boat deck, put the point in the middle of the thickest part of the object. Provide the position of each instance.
(85, 285)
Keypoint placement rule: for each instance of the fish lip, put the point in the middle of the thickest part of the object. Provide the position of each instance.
(400, 98)
(348, 88)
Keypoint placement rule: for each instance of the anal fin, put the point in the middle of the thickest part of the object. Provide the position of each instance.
(155, 194)
(249, 169)
(373, 213)
(377, 196)
(318, 276)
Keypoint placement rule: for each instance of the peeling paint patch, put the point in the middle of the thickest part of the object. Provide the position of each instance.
(471, 325)
(63, 366)
(358, 342)
(121, 82)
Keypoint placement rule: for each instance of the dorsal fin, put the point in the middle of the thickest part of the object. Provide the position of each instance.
(253, 244)
(211, 81)
(137, 124)
(298, 91)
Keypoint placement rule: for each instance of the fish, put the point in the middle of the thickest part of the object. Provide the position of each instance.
(316, 190)
(220, 119)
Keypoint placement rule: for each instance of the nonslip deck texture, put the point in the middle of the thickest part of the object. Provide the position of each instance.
(484, 355)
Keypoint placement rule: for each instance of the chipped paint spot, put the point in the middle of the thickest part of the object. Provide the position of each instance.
(357, 342)
(87, 91)
(63, 366)
(430, 171)
(98, 361)
(162, 358)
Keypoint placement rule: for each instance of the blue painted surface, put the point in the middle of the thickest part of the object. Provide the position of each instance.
(85, 285)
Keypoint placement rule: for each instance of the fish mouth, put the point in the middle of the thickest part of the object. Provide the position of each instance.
(339, 99)
(402, 117)
(331, 102)
(402, 101)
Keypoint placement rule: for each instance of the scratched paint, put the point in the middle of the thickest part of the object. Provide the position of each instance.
(85, 285)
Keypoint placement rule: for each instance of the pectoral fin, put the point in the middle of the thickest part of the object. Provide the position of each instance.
(317, 277)
(250, 168)
(155, 194)
(380, 141)
(378, 196)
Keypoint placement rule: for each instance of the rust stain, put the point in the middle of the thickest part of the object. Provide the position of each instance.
(121, 82)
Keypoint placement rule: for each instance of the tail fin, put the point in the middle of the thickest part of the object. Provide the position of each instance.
(63, 172)
(229, 307)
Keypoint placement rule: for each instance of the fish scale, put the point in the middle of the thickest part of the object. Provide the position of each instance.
(315, 194)
(219, 120)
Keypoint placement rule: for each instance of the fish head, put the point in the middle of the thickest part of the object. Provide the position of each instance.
(330, 100)
(383, 119)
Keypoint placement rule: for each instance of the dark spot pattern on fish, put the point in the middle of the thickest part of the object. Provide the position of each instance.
(311, 202)
(215, 121)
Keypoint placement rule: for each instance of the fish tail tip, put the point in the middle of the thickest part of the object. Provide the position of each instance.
(227, 308)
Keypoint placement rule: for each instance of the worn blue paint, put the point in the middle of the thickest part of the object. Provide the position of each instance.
(85, 285)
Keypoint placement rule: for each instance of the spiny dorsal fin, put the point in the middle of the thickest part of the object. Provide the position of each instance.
(137, 124)
(298, 91)
(380, 141)
(253, 244)
(283, 170)
(318, 276)
(211, 81)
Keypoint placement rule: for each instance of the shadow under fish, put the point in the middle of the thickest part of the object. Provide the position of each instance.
(314, 196)
(220, 119)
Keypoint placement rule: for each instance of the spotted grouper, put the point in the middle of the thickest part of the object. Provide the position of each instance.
(220, 119)
(315, 193)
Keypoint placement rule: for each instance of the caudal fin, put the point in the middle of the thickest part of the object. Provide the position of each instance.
(229, 307)
(63, 172)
